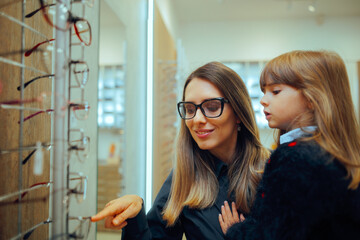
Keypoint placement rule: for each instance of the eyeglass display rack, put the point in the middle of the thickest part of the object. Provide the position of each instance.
(34, 143)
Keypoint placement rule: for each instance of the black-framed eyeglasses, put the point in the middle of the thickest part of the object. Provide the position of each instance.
(211, 108)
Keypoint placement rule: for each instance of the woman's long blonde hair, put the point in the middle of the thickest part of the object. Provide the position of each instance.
(194, 183)
(323, 80)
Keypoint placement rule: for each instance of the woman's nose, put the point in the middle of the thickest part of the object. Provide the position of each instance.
(199, 116)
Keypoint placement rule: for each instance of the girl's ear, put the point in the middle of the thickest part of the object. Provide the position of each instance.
(310, 105)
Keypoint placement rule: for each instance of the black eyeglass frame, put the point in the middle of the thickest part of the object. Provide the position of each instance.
(221, 99)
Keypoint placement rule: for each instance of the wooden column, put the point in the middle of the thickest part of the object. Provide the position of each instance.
(165, 112)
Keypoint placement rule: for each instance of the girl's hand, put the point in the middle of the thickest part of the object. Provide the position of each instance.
(117, 211)
(229, 217)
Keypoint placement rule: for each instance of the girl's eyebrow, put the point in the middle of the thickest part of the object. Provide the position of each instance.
(271, 84)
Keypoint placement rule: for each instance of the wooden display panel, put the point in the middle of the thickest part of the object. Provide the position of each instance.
(34, 207)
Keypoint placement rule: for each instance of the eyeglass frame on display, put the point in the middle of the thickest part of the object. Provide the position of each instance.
(24, 192)
(85, 150)
(71, 20)
(71, 105)
(82, 219)
(48, 146)
(33, 149)
(80, 81)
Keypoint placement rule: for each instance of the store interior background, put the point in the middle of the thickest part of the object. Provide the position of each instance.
(188, 34)
(131, 126)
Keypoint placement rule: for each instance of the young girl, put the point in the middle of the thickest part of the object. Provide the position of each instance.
(309, 189)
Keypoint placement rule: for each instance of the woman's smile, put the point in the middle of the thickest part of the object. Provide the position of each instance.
(203, 133)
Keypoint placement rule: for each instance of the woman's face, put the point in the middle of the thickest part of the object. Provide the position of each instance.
(218, 135)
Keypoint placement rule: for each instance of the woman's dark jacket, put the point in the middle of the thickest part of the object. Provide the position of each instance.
(197, 224)
(303, 195)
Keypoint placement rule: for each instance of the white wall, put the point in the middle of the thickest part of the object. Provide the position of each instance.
(263, 40)
(113, 40)
(112, 37)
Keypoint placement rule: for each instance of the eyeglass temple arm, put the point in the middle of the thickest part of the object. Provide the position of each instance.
(26, 148)
(32, 187)
(34, 79)
(37, 113)
(15, 102)
(28, 157)
(29, 15)
(29, 52)
(31, 230)
(32, 153)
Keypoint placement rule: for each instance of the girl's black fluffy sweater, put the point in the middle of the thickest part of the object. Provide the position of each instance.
(303, 195)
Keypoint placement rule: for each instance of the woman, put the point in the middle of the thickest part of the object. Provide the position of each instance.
(218, 159)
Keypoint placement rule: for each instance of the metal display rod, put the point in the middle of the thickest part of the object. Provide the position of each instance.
(59, 127)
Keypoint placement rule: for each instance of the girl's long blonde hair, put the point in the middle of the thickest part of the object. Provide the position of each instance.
(323, 80)
(194, 183)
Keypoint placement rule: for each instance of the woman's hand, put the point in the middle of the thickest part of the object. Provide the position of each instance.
(227, 218)
(117, 211)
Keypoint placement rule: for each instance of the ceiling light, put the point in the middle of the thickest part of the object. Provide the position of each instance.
(311, 8)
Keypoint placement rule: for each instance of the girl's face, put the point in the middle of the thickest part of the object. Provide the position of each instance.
(218, 135)
(282, 105)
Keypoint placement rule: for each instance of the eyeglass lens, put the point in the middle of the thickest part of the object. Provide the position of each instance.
(79, 190)
(82, 230)
(210, 108)
(81, 72)
(83, 30)
(80, 110)
(82, 148)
